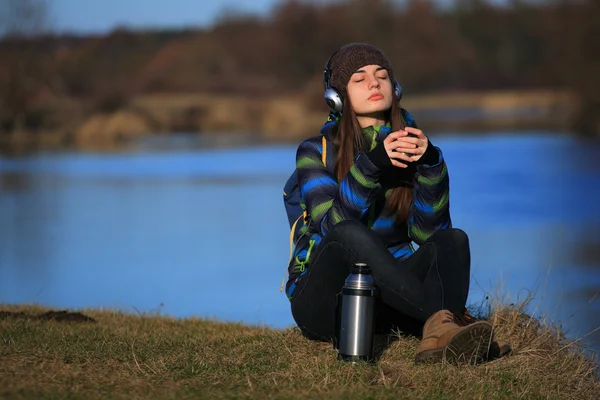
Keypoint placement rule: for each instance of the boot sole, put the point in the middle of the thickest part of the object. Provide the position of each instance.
(470, 346)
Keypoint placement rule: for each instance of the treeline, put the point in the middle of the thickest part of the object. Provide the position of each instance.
(468, 45)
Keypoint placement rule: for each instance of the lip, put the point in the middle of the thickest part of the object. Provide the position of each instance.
(375, 96)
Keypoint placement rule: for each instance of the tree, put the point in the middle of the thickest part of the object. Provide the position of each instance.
(573, 39)
(21, 72)
(20, 18)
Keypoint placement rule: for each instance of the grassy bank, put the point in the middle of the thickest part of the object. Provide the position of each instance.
(125, 356)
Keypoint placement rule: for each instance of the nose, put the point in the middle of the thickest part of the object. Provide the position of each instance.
(373, 82)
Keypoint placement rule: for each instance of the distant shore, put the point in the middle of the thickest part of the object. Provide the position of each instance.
(68, 124)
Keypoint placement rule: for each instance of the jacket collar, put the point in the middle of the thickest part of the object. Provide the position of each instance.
(372, 133)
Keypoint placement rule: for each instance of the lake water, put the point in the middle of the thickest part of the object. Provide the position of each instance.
(202, 232)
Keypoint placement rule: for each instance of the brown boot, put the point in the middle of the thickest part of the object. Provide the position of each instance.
(444, 338)
(498, 348)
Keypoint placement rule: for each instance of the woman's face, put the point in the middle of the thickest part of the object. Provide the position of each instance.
(370, 90)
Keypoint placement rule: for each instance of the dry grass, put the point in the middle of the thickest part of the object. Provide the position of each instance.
(125, 356)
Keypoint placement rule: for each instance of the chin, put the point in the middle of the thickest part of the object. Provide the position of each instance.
(373, 109)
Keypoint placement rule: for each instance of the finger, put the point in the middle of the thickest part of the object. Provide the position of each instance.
(398, 164)
(411, 140)
(390, 138)
(400, 156)
(395, 136)
(405, 144)
(398, 134)
(410, 152)
(414, 131)
(401, 144)
(389, 147)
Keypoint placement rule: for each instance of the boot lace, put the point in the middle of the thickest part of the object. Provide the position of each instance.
(468, 317)
(461, 319)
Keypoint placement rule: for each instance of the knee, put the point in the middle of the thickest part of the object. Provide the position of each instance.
(457, 237)
(352, 235)
(460, 237)
(452, 245)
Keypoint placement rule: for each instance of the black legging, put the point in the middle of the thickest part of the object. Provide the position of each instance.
(435, 277)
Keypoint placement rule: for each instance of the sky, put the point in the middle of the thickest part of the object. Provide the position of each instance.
(99, 16)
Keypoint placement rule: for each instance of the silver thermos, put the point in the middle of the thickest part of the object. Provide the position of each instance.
(356, 316)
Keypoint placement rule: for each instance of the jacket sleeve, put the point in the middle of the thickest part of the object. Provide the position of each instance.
(430, 210)
(327, 201)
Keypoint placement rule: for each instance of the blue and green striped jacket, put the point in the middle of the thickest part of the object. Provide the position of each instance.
(361, 195)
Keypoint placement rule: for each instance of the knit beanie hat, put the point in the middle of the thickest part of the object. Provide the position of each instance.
(351, 57)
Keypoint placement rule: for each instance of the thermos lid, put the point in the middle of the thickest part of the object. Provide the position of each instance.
(361, 268)
(360, 278)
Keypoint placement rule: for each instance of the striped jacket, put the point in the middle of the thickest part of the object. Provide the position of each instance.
(362, 195)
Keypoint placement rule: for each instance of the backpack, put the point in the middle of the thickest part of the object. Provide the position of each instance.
(293, 209)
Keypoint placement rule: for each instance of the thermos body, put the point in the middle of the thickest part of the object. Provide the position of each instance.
(357, 324)
(356, 318)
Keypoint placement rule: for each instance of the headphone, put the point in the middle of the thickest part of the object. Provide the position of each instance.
(334, 99)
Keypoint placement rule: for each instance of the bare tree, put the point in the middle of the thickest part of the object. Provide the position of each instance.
(20, 18)
(21, 72)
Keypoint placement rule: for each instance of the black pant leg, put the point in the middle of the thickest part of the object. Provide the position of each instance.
(452, 256)
(442, 264)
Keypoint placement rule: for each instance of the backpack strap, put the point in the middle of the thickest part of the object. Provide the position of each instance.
(324, 152)
(304, 214)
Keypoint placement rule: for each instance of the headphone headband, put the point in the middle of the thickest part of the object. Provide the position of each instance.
(327, 72)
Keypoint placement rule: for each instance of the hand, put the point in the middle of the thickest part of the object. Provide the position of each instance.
(410, 141)
(391, 144)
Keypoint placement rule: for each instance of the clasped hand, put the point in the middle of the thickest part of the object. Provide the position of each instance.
(405, 146)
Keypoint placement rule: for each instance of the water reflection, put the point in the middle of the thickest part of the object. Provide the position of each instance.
(15, 182)
(204, 233)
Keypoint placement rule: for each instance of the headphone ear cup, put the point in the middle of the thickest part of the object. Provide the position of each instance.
(397, 90)
(334, 100)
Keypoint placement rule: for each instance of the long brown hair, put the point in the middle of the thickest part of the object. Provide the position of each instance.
(349, 141)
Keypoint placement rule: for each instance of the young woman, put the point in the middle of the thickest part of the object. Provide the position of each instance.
(371, 188)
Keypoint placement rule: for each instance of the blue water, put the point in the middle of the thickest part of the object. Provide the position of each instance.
(203, 232)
